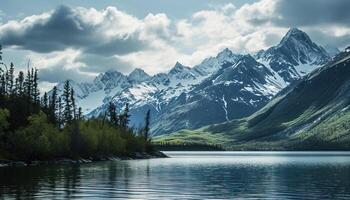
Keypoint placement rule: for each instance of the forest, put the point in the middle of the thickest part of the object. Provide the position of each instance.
(51, 126)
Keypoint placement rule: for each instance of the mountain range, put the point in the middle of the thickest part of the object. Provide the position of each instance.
(312, 113)
(219, 89)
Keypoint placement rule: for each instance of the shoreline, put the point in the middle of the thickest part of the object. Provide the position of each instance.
(131, 156)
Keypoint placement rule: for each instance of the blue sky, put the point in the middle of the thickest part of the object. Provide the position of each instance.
(79, 39)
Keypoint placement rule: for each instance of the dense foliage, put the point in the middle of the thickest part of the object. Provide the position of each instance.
(51, 126)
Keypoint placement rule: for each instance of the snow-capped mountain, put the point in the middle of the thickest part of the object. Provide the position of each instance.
(112, 80)
(138, 76)
(236, 90)
(243, 84)
(295, 56)
(158, 91)
(220, 88)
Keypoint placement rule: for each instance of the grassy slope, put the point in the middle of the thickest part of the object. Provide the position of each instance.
(312, 114)
(190, 137)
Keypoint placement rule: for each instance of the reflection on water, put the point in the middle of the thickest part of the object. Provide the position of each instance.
(188, 175)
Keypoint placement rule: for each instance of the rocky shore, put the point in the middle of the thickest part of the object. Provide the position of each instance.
(133, 156)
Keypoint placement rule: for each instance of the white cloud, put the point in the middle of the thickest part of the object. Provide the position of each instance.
(81, 42)
(57, 66)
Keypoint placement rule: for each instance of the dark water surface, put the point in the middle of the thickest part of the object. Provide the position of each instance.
(188, 175)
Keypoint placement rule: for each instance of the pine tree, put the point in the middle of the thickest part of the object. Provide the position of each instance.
(59, 114)
(2, 85)
(72, 100)
(67, 103)
(53, 106)
(147, 125)
(112, 113)
(28, 84)
(28, 93)
(36, 92)
(10, 80)
(6, 82)
(20, 82)
(67, 113)
(124, 118)
(32, 83)
(16, 87)
(80, 114)
(44, 101)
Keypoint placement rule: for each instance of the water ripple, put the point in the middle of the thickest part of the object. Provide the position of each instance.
(213, 175)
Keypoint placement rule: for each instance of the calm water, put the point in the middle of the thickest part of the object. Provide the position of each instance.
(188, 175)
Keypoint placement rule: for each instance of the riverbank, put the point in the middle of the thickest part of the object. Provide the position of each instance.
(131, 156)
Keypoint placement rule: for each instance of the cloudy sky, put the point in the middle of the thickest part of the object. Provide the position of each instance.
(78, 39)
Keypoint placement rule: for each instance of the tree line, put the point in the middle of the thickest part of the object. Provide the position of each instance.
(53, 126)
(168, 146)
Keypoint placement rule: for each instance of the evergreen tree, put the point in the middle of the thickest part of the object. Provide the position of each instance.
(36, 92)
(124, 118)
(2, 85)
(20, 83)
(28, 93)
(6, 81)
(72, 100)
(32, 83)
(10, 80)
(59, 114)
(80, 114)
(53, 106)
(15, 89)
(112, 113)
(147, 125)
(67, 113)
(28, 85)
(44, 101)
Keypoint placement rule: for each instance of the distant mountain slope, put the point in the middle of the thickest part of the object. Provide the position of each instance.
(314, 113)
(221, 88)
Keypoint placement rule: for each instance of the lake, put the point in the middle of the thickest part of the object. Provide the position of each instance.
(188, 175)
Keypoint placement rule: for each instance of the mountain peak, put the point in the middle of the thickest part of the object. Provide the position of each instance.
(227, 55)
(138, 75)
(295, 30)
(178, 65)
(138, 70)
(178, 68)
(296, 35)
(110, 79)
